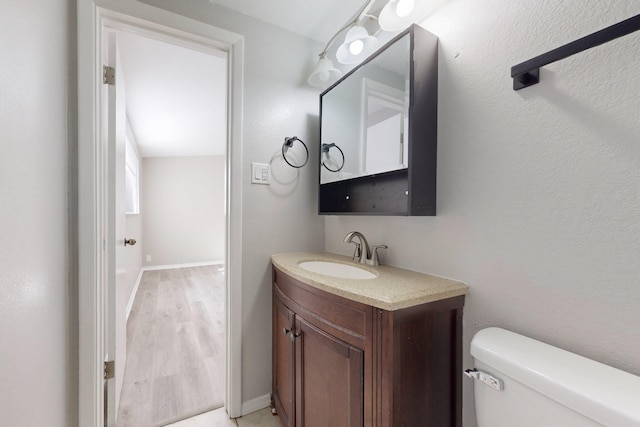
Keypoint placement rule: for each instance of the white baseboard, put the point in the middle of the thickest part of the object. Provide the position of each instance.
(256, 404)
(172, 266)
(134, 291)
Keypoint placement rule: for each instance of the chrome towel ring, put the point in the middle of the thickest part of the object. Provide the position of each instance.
(288, 143)
(325, 150)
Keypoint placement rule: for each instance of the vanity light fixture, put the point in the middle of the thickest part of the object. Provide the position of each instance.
(399, 14)
(325, 73)
(357, 45)
(360, 45)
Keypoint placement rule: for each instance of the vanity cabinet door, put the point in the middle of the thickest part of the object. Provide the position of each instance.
(330, 379)
(283, 362)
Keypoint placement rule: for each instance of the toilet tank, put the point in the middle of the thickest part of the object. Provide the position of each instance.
(544, 386)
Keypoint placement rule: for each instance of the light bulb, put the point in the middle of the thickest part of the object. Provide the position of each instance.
(356, 46)
(405, 7)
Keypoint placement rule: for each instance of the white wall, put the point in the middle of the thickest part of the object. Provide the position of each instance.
(37, 356)
(183, 209)
(280, 217)
(538, 190)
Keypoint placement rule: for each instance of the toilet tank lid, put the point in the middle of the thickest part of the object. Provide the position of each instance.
(605, 394)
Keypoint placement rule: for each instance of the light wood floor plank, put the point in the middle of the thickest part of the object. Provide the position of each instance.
(175, 347)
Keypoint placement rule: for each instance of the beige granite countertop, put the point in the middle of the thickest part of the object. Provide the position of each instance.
(393, 288)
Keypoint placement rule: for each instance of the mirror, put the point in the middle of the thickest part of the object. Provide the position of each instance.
(373, 155)
(384, 145)
(365, 117)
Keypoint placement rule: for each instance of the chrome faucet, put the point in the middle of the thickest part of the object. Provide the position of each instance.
(363, 254)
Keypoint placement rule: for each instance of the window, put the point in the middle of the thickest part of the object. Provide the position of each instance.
(132, 180)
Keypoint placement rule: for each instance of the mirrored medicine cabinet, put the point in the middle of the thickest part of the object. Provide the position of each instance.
(378, 132)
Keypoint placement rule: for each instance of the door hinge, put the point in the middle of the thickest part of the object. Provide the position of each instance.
(108, 75)
(109, 369)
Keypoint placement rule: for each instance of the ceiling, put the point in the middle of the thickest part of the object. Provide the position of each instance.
(176, 97)
(316, 19)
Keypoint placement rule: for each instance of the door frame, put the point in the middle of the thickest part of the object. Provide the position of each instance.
(92, 17)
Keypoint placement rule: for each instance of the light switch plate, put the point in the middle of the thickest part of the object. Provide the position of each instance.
(260, 173)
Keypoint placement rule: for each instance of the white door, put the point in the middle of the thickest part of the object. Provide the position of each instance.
(115, 307)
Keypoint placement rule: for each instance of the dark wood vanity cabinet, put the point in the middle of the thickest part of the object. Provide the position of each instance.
(338, 362)
(283, 356)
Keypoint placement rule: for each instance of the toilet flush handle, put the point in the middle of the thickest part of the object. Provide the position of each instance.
(493, 382)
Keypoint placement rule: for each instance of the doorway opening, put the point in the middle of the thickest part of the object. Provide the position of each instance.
(169, 338)
(96, 242)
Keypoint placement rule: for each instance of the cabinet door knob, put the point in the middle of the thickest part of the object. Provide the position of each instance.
(291, 334)
(129, 241)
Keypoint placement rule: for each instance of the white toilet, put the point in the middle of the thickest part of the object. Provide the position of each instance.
(521, 382)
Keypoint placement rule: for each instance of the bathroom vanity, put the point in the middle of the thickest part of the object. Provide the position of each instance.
(384, 351)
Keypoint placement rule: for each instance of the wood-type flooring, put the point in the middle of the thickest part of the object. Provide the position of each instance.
(175, 347)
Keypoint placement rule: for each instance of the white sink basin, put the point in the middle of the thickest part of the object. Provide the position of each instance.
(336, 269)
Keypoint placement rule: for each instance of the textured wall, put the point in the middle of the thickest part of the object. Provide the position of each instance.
(36, 346)
(538, 190)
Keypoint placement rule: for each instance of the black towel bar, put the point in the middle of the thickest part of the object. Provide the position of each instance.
(527, 73)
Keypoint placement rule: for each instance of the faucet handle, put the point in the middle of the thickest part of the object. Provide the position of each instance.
(358, 252)
(374, 254)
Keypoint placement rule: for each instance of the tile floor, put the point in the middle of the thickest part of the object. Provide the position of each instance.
(219, 418)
